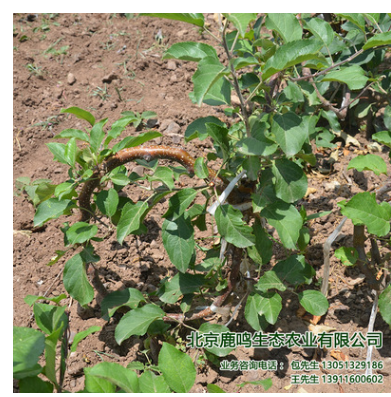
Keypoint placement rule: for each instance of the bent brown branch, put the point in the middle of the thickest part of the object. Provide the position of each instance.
(124, 156)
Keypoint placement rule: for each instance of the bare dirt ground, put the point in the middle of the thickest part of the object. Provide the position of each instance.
(107, 64)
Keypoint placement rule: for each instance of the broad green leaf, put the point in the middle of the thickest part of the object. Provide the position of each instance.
(219, 134)
(137, 321)
(290, 132)
(115, 373)
(231, 226)
(251, 310)
(26, 385)
(58, 151)
(356, 18)
(385, 305)
(287, 221)
(163, 174)
(262, 251)
(82, 335)
(132, 141)
(200, 168)
(70, 152)
(28, 345)
(177, 368)
(198, 128)
(179, 203)
(321, 29)
(129, 297)
(76, 282)
(387, 118)
(49, 318)
(118, 126)
(291, 182)
(181, 284)
(377, 40)
(96, 135)
(294, 270)
(209, 71)
(286, 25)
(291, 54)
(369, 162)
(241, 20)
(347, 255)
(363, 209)
(132, 216)
(73, 133)
(151, 383)
(216, 329)
(353, 76)
(107, 202)
(383, 137)
(52, 209)
(259, 146)
(193, 18)
(269, 280)
(178, 240)
(270, 306)
(214, 388)
(190, 51)
(31, 299)
(80, 113)
(93, 384)
(80, 232)
(314, 302)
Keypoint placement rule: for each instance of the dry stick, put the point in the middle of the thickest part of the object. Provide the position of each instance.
(326, 255)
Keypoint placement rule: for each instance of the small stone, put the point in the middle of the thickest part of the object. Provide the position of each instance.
(173, 128)
(171, 64)
(110, 77)
(71, 79)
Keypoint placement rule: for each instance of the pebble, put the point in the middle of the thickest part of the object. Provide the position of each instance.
(171, 64)
(71, 79)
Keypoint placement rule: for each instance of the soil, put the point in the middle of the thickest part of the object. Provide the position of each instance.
(119, 57)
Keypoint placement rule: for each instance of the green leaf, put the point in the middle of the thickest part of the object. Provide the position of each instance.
(214, 388)
(251, 310)
(356, 18)
(80, 113)
(95, 384)
(216, 329)
(70, 152)
(377, 40)
(107, 202)
(200, 168)
(193, 18)
(347, 255)
(81, 232)
(137, 321)
(256, 146)
(50, 318)
(262, 251)
(368, 162)
(179, 203)
(321, 29)
(129, 297)
(314, 302)
(58, 151)
(209, 71)
(294, 270)
(132, 216)
(73, 133)
(270, 306)
(190, 51)
(353, 76)
(76, 282)
(52, 209)
(115, 373)
(177, 368)
(287, 221)
(291, 54)
(181, 284)
(82, 335)
(28, 345)
(198, 128)
(269, 280)
(363, 209)
(219, 135)
(132, 141)
(96, 135)
(385, 305)
(291, 182)
(151, 383)
(286, 25)
(290, 131)
(384, 137)
(26, 385)
(178, 240)
(231, 226)
(241, 20)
